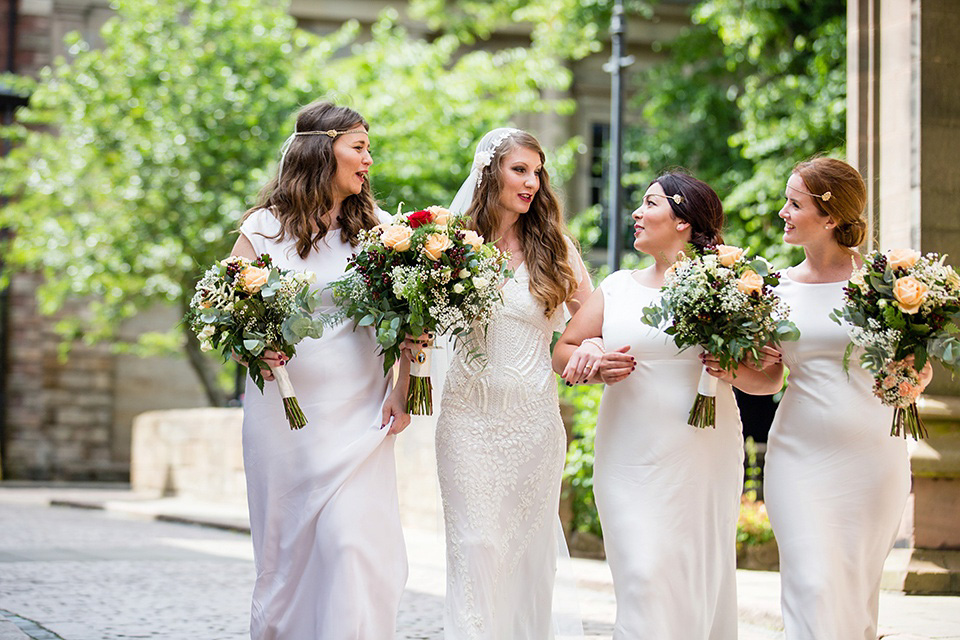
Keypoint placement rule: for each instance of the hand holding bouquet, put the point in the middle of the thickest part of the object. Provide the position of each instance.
(244, 308)
(902, 304)
(426, 271)
(719, 300)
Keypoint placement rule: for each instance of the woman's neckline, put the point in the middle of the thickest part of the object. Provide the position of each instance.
(633, 276)
(786, 274)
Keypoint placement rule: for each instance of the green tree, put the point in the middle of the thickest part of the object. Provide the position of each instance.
(750, 89)
(135, 161)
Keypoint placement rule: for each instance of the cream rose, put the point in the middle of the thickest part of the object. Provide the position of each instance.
(396, 237)
(435, 245)
(440, 215)
(480, 283)
(909, 293)
(463, 273)
(207, 332)
(902, 258)
(458, 288)
(728, 254)
(472, 238)
(254, 278)
(750, 282)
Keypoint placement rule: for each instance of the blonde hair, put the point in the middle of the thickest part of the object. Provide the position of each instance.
(306, 190)
(541, 230)
(847, 199)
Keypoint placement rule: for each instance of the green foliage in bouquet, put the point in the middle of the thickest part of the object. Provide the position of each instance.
(723, 302)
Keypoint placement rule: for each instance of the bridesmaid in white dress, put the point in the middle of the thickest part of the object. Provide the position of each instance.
(668, 494)
(500, 440)
(324, 513)
(835, 481)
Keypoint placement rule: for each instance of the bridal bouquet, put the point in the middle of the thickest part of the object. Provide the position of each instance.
(902, 303)
(423, 272)
(723, 302)
(244, 307)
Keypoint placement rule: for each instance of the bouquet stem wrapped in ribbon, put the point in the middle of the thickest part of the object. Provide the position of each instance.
(901, 304)
(243, 308)
(425, 271)
(717, 299)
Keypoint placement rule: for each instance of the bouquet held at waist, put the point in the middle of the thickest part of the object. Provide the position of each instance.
(423, 272)
(243, 308)
(718, 299)
(902, 304)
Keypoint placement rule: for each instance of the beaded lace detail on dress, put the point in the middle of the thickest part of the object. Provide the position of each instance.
(500, 452)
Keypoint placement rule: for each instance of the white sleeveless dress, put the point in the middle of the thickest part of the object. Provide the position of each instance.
(324, 514)
(835, 481)
(668, 494)
(500, 455)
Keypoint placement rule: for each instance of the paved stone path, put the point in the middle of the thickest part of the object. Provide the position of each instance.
(77, 574)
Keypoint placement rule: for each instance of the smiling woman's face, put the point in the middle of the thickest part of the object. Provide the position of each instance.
(352, 151)
(519, 179)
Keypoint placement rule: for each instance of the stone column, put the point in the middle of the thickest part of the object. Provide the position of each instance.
(903, 127)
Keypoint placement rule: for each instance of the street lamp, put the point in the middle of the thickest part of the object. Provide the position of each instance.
(614, 67)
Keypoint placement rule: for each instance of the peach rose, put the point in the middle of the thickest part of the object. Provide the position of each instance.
(750, 282)
(907, 390)
(396, 237)
(889, 382)
(435, 245)
(909, 293)
(727, 254)
(440, 215)
(902, 258)
(472, 238)
(254, 278)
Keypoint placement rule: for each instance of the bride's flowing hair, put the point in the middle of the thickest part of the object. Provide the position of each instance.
(541, 229)
(304, 190)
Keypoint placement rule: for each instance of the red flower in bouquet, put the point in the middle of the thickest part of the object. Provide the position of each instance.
(419, 218)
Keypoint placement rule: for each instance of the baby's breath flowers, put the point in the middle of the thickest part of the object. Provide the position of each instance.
(425, 271)
(902, 303)
(723, 302)
(243, 308)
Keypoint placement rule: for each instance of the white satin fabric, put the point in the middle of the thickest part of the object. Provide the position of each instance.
(835, 481)
(324, 514)
(668, 494)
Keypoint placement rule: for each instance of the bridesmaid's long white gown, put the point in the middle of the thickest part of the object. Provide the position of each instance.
(835, 482)
(668, 494)
(324, 513)
(500, 455)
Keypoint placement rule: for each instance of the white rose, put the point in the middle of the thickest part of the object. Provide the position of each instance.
(207, 332)
(206, 345)
(458, 288)
(479, 282)
(464, 273)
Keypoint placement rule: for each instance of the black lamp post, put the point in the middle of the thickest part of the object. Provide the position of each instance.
(614, 67)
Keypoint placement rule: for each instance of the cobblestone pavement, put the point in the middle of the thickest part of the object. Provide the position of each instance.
(76, 574)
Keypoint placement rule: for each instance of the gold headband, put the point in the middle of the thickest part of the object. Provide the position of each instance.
(331, 133)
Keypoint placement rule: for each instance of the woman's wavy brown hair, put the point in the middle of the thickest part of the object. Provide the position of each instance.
(306, 191)
(541, 230)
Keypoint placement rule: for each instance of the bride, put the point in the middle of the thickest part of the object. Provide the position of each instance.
(500, 440)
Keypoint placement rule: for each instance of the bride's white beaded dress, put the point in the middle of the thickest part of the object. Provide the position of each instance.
(500, 455)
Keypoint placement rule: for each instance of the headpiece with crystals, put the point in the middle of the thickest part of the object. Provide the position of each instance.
(482, 158)
(330, 133)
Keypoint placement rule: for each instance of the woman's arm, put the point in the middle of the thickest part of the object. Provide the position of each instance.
(578, 361)
(395, 406)
(584, 285)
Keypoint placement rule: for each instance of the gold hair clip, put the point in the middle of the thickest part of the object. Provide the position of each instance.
(825, 196)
